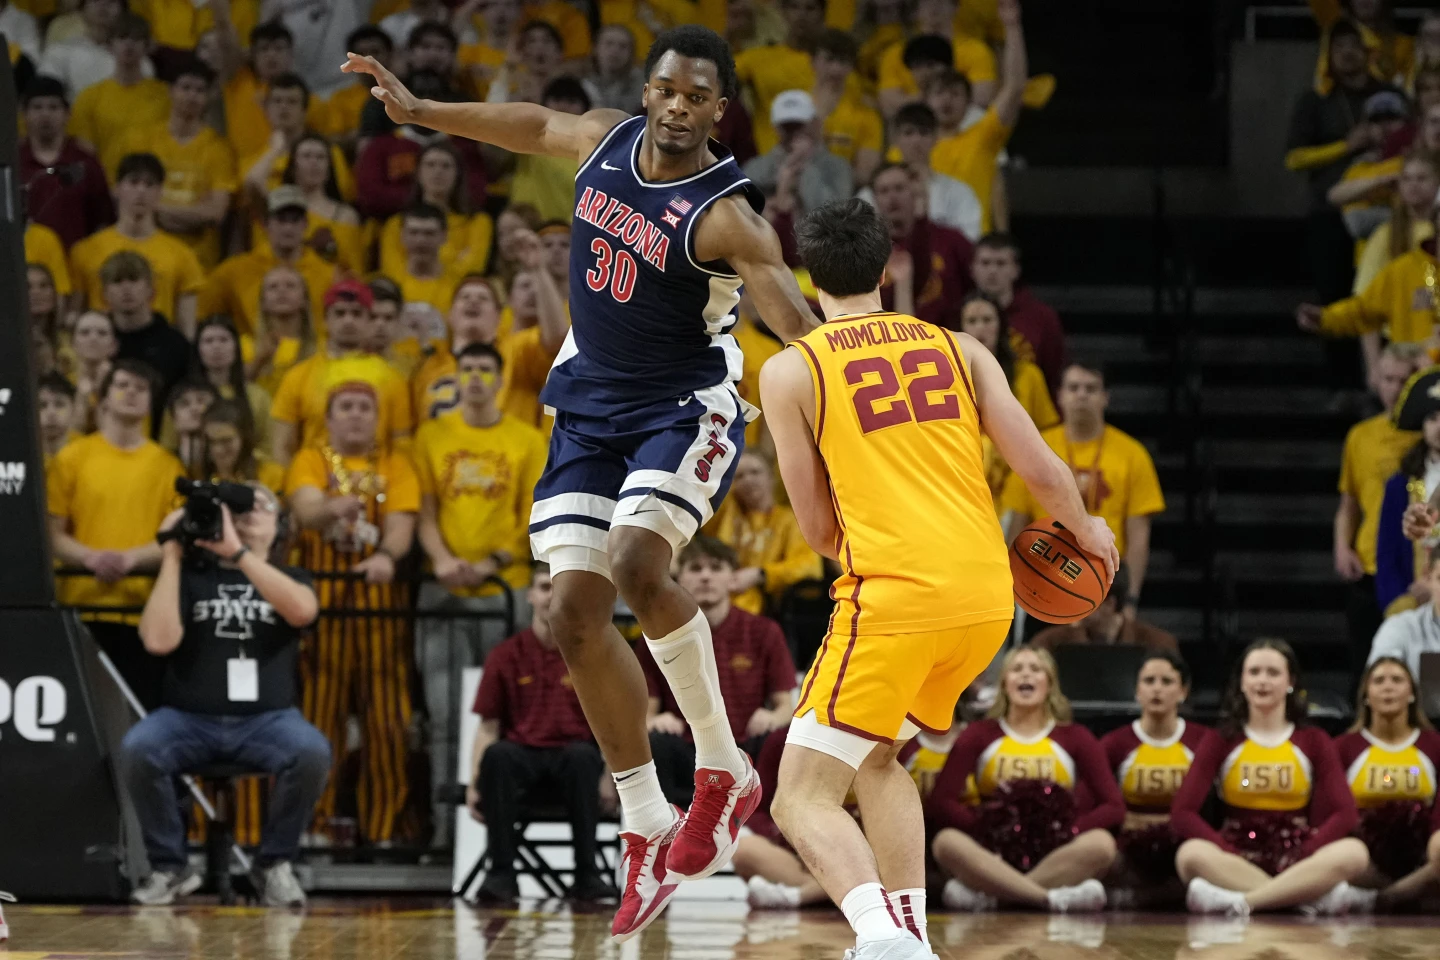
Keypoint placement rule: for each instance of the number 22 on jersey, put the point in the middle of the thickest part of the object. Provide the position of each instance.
(928, 386)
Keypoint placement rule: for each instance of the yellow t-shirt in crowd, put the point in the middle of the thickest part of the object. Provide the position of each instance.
(1399, 301)
(245, 124)
(111, 499)
(873, 49)
(971, 156)
(527, 364)
(234, 287)
(769, 72)
(344, 178)
(466, 249)
(572, 25)
(973, 58)
(177, 23)
(43, 246)
(175, 269)
(436, 291)
(105, 112)
(483, 63)
(193, 170)
(341, 112)
(1373, 449)
(1115, 474)
(304, 395)
(483, 480)
(770, 541)
(345, 543)
(1034, 395)
(287, 354)
(1375, 253)
(547, 184)
(346, 244)
(852, 126)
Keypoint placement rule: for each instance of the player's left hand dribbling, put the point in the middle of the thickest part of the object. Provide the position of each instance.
(1097, 538)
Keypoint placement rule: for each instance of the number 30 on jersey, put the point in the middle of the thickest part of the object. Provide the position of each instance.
(615, 269)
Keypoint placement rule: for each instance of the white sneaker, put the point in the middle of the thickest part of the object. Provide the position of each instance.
(1339, 901)
(765, 895)
(1087, 897)
(281, 887)
(4, 927)
(903, 947)
(162, 887)
(1202, 896)
(957, 896)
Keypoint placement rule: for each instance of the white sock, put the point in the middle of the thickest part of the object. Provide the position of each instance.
(870, 914)
(909, 907)
(642, 803)
(687, 658)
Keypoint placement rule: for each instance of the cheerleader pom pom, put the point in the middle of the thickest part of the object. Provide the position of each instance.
(1024, 820)
(1150, 851)
(1274, 842)
(1395, 834)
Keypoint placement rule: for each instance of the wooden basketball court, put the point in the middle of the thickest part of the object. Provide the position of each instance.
(433, 930)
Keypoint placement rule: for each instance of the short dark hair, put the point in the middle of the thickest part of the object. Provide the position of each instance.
(917, 115)
(145, 165)
(425, 211)
(1174, 659)
(1089, 366)
(700, 43)
(954, 78)
(568, 89)
(845, 245)
(55, 382)
(928, 50)
(136, 368)
(271, 30)
(1345, 27)
(707, 547)
(480, 350)
(383, 288)
(192, 66)
(130, 26)
(431, 28)
(546, 28)
(289, 81)
(838, 45)
(193, 383)
(125, 265)
(999, 240)
(41, 87)
(369, 31)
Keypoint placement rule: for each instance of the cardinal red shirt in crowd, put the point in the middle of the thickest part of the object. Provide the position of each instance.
(526, 686)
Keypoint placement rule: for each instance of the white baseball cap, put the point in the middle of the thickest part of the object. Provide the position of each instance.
(792, 106)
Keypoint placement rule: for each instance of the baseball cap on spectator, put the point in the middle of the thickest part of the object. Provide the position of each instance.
(1386, 105)
(349, 289)
(286, 197)
(792, 106)
(1419, 399)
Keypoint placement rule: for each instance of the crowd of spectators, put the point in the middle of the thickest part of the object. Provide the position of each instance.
(240, 269)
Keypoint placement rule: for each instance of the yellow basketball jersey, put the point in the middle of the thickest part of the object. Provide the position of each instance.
(1014, 757)
(1153, 771)
(1258, 776)
(897, 425)
(1386, 772)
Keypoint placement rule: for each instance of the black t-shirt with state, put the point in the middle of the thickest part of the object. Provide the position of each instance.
(225, 617)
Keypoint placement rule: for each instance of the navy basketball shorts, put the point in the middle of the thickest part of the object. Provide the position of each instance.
(664, 467)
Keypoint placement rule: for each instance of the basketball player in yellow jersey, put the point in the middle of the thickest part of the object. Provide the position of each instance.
(877, 419)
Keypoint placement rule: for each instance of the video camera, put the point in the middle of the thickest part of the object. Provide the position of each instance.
(203, 519)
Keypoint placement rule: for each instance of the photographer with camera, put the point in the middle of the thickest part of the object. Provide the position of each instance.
(227, 623)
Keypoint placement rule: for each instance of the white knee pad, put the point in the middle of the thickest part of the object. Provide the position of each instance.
(563, 557)
(808, 731)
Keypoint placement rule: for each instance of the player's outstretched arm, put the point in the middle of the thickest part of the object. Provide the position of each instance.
(517, 127)
(1019, 442)
(732, 231)
(788, 395)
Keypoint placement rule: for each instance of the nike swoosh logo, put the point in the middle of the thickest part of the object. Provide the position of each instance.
(671, 660)
(686, 400)
(606, 166)
(627, 777)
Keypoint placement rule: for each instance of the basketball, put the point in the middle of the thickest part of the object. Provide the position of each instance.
(1055, 580)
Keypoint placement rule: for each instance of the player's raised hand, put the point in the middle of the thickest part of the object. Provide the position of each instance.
(401, 105)
(1096, 537)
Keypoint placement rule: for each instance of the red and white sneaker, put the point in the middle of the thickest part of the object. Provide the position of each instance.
(4, 927)
(649, 884)
(711, 831)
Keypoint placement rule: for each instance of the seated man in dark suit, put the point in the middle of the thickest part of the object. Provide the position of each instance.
(1108, 625)
(534, 746)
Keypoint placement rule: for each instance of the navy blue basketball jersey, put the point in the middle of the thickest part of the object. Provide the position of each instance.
(648, 321)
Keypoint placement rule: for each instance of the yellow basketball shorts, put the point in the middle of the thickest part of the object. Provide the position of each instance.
(870, 684)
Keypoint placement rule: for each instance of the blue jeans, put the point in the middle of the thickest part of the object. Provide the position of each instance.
(170, 742)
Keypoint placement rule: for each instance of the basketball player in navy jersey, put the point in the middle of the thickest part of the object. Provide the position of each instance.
(648, 425)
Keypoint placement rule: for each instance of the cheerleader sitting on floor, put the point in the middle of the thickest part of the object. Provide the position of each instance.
(1288, 813)
(1390, 756)
(1150, 759)
(1024, 844)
